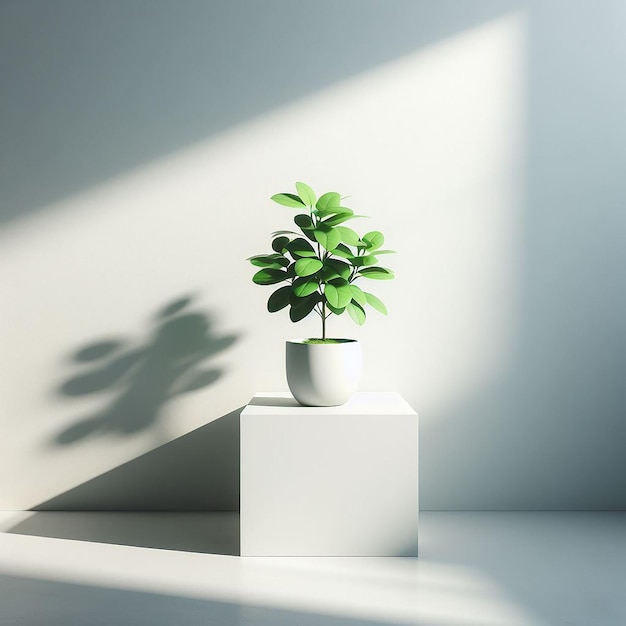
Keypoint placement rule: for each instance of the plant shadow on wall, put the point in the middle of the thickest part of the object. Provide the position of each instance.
(145, 375)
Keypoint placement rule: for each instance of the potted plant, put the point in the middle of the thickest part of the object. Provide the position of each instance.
(321, 265)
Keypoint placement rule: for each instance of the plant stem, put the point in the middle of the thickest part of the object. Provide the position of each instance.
(323, 319)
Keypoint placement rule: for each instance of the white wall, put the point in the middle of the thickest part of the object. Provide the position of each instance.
(485, 142)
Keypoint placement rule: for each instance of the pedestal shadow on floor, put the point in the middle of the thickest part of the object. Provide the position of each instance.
(148, 499)
(207, 533)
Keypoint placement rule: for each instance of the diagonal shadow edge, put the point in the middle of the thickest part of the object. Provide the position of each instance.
(196, 472)
(181, 496)
(89, 139)
(205, 533)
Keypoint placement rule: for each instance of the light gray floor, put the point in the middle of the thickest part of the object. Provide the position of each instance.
(162, 569)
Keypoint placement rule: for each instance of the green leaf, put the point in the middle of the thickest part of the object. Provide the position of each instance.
(304, 287)
(330, 291)
(367, 259)
(291, 270)
(338, 267)
(348, 235)
(340, 218)
(337, 296)
(375, 303)
(353, 216)
(356, 312)
(328, 200)
(358, 295)
(304, 221)
(288, 199)
(303, 307)
(301, 248)
(269, 276)
(327, 274)
(377, 273)
(272, 261)
(307, 266)
(343, 251)
(306, 225)
(374, 239)
(306, 193)
(283, 232)
(338, 210)
(385, 252)
(334, 309)
(279, 299)
(323, 213)
(329, 238)
(279, 244)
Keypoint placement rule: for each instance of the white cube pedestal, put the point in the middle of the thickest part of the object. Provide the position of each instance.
(329, 481)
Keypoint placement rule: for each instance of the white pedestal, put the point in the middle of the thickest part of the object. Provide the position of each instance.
(329, 481)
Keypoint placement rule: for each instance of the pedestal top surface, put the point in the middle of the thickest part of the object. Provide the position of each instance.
(362, 403)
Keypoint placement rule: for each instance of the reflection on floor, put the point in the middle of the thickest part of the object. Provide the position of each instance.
(180, 568)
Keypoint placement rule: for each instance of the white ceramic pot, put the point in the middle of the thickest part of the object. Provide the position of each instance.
(323, 374)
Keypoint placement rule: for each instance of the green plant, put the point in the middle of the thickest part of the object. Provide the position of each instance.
(322, 262)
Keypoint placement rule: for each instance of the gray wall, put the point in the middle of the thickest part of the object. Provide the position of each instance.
(140, 141)
(548, 434)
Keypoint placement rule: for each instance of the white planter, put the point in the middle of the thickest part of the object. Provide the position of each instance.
(323, 374)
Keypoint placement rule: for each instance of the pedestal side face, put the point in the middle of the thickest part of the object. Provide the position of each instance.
(325, 484)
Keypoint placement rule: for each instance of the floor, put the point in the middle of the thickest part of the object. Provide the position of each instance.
(181, 569)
